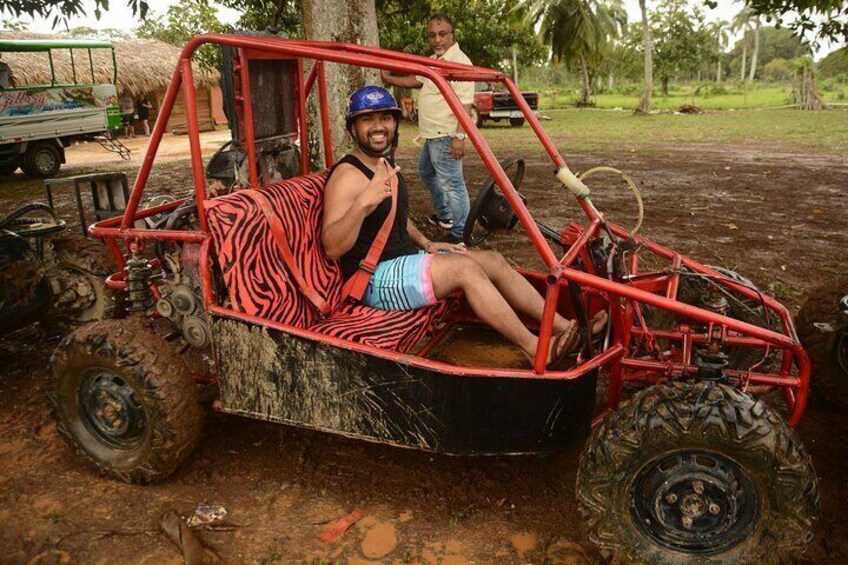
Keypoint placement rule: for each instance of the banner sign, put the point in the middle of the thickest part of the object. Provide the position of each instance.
(44, 100)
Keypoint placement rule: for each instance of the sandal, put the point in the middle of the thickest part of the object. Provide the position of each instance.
(562, 346)
(598, 323)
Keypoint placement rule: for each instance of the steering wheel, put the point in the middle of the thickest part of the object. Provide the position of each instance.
(491, 210)
(42, 221)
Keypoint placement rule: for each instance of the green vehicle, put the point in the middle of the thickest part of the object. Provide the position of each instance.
(37, 122)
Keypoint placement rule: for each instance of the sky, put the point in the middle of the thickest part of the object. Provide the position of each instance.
(120, 16)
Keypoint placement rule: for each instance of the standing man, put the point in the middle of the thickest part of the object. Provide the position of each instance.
(440, 164)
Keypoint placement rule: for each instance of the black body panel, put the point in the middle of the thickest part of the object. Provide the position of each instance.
(271, 375)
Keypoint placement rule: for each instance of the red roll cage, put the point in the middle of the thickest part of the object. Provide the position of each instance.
(657, 288)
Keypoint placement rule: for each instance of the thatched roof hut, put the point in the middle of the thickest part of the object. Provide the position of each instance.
(145, 69)
(144, 65)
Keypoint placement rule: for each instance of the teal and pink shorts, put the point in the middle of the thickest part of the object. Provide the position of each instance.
(403, 283)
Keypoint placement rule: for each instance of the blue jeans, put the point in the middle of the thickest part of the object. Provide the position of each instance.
(442, 174)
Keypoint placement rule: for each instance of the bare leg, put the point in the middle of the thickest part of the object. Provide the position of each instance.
(517, 291)
(452, 272)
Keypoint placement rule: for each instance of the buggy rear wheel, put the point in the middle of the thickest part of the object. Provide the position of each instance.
(516, 122)
(83, 265)
(697, 473)
(125, 400)
(825, 337)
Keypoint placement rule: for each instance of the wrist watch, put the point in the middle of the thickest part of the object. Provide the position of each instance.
(459, 136)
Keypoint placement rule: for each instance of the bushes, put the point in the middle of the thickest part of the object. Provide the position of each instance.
(627, 89)
(713, 89)
(777, 70)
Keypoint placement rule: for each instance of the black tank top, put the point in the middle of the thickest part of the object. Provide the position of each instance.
(398, 243)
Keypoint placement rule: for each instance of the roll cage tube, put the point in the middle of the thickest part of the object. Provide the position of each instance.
(402, 64)
(440, 72)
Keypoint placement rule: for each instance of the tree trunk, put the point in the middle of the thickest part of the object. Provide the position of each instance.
(718, 71)
(756, 52)
(644, 106)
(347, 21)
(806, 94)
(514, 65)
(665, 86)
(587, 87)
(744, 54)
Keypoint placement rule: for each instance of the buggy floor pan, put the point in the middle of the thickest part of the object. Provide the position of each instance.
(275, 376)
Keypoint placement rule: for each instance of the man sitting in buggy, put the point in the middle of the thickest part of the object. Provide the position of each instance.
(395, 267)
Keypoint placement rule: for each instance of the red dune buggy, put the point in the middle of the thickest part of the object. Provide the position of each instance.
(685, 464)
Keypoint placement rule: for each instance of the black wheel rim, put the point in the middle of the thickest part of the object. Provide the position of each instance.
(694, 501)
(111, 410)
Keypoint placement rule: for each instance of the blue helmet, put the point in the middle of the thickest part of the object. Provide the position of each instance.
(370, 99)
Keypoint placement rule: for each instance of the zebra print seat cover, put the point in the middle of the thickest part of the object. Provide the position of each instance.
(259, 283)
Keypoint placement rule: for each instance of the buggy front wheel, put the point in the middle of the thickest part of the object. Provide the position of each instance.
(697, 473)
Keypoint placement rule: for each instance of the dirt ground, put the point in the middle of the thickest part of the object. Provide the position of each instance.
(776, 215)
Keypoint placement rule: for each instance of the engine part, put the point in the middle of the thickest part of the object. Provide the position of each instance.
(184, 300)
(196, 332)
(138, 283)
(712, 362)
(165, 308)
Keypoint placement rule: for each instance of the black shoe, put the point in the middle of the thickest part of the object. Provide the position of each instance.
(437, 221)
(450, 238)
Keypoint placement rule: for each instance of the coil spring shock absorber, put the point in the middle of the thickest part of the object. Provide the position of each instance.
(138, 280)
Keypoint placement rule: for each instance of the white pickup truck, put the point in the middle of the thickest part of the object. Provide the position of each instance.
(37, 122)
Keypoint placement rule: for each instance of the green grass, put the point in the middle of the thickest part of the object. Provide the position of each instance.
(754, 96)
(590, 130)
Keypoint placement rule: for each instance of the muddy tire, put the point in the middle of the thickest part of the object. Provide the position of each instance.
(125, 400)
(826, 343)
(42, 160)
(697, 473)
(516, 122)
(84, 265)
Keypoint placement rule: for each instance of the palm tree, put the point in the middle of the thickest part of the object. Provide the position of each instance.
(756, 52)
(579, 32)
(644, 106)
(718, 31)
(744, 21)
(516, 19)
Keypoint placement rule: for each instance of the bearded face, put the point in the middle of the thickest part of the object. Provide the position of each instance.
(374, 132)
